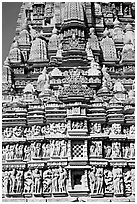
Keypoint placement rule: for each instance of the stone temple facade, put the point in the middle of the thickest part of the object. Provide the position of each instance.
(68, 104)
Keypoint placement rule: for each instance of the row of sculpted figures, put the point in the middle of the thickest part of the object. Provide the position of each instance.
(59, 129)
(28, 151)
(100, 180)
(59, 149)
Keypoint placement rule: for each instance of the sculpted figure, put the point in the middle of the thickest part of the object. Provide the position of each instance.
(27, 132)
(7, 152)
(19, 181)
(63, 148)
(89, 51)
(99, 180)
(3, 153)
(98, 149)
(132, 150)
(118, 86)
(118, 181)
(57, 148)
(27, 152)
(97, 128)
(108, 180)
(43, 81)
(62, 179)
(12, 152)
(33, 149)
(92, 179)
(28, 182)
(52, 147)
(108, 151)
(12, 181)
(46, 150)
(116, 150)
(127, 180)
(55, 180)
(133, 181)
(6, 182)
(92, 149)
(38, 150)
(8, 132)
(17, 131)
(126, 151)
(132, 130)
(83, 180)
(36, 130)
(37, 181)
(47, 181)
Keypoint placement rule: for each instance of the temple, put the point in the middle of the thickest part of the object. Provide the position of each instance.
(68, 104)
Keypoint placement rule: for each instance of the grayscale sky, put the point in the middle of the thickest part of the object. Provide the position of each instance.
(10, 11)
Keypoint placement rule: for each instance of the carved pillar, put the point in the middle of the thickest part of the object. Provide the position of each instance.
(69, 180)
(85, 149)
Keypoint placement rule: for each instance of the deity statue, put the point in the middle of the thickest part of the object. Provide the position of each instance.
(33, 149)
(62, 179)
(92, 179)
(126, 151)
(12, 181)
(19, 181)
(89, 51)
(118, 86)
(83, 180)
(59, 51)
(3, 153)
(118, 181)
(108, 180)
(52, 147)
(47, 181)
(37, 181)
(43, 81)
(99, 180)
(28, 182)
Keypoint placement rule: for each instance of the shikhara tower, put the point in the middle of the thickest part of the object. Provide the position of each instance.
(68, 124)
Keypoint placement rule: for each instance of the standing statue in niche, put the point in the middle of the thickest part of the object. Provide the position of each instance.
(108, 150)
(6, 182)
(63, 152)
(118, 181)
(62, 179)
(37, 181)
(38, 150)
(118, 86)
(92, 179)
(99, 180)
(43, 81)
(47, 181)
(7, 156)
(27, 152)
(89, 52)
(46, 150)
(19, 181)
(12, 152)
(12, 181)
(116, 150)
(28, 182)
